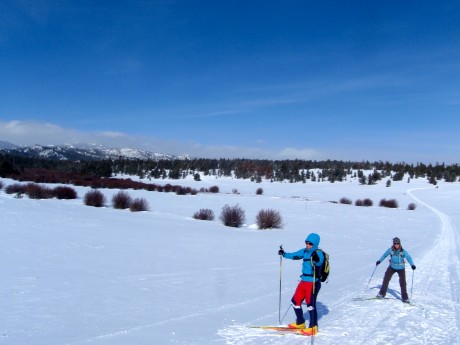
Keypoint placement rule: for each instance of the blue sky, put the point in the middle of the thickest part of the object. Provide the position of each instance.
(347, 80)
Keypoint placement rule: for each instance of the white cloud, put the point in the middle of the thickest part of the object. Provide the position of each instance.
(293, 153)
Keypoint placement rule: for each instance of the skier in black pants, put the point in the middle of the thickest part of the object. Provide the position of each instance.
(397, 265)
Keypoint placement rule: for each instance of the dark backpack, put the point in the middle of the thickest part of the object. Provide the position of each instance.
(322, 272)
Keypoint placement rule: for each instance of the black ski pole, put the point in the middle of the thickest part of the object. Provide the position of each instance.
(311, 300)
(412, 285)
(289, 307)
(281, 273)
(370, 279)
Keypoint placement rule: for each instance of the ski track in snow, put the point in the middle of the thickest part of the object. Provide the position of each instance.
(360, 322)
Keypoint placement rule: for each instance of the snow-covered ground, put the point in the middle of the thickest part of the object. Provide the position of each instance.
(73, 274)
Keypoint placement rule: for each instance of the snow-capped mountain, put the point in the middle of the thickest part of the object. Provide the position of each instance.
(82, 152)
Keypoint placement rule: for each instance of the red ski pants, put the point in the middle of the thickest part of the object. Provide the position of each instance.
(303, 292)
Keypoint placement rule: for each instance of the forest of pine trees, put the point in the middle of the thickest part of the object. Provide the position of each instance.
(24, 168)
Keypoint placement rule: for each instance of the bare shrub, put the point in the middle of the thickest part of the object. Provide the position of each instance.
(259, 191)
(214, 189)
(121, 200)
(1, 185)
(204, 214)
(151, 187)
(181, 191)
(35, 191)
(94, 198)
(391, 203)
(269, 219)
(235, 191)
(368, 202)
(345, 201)
(411, 206)
(139, 204)
(232, 216)
(15, 188)
(359, 202)
(64, 192)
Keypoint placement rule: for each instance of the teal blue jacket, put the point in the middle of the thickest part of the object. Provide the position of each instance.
(397, 258)
(311, 260)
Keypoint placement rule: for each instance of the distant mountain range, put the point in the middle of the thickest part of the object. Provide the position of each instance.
(82, 152)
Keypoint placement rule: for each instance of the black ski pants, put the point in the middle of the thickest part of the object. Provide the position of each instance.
(402, 282)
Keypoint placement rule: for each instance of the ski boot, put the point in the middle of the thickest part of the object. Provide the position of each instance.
(309, 331)
(295, 325)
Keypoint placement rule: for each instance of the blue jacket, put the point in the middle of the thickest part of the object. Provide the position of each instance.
(306, 255)
(397, 258)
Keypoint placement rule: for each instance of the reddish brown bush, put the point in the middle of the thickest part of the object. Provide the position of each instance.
(94, 198)
(151, 187)
(15, 188)
(411, 206)
(35, 191)
(345, 201)
(181, 191)
(64, 192)
(204, 214)
(232, 216)
(214, 189)
(269, 219)
(368, 202)
(121, 200)
(392, 203)
(139, 204)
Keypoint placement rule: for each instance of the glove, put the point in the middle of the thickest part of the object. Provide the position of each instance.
(315, 258)
(281, 252)
(413, 267)
(377, 263)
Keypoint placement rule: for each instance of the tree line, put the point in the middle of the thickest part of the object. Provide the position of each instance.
(254, 169)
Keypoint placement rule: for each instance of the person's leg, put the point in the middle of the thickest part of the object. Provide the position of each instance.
(403, 285)
(312, 306)
(311, 303)
(299, 296)
(386, 280)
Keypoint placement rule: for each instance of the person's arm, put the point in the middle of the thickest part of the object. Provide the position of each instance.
(318, 258)
(295, 255)
(383, 256)
(409, 259)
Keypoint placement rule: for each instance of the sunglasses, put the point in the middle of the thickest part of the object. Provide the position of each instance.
(308, 243)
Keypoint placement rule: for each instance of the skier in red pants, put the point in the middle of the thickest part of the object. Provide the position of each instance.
(309, 286)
